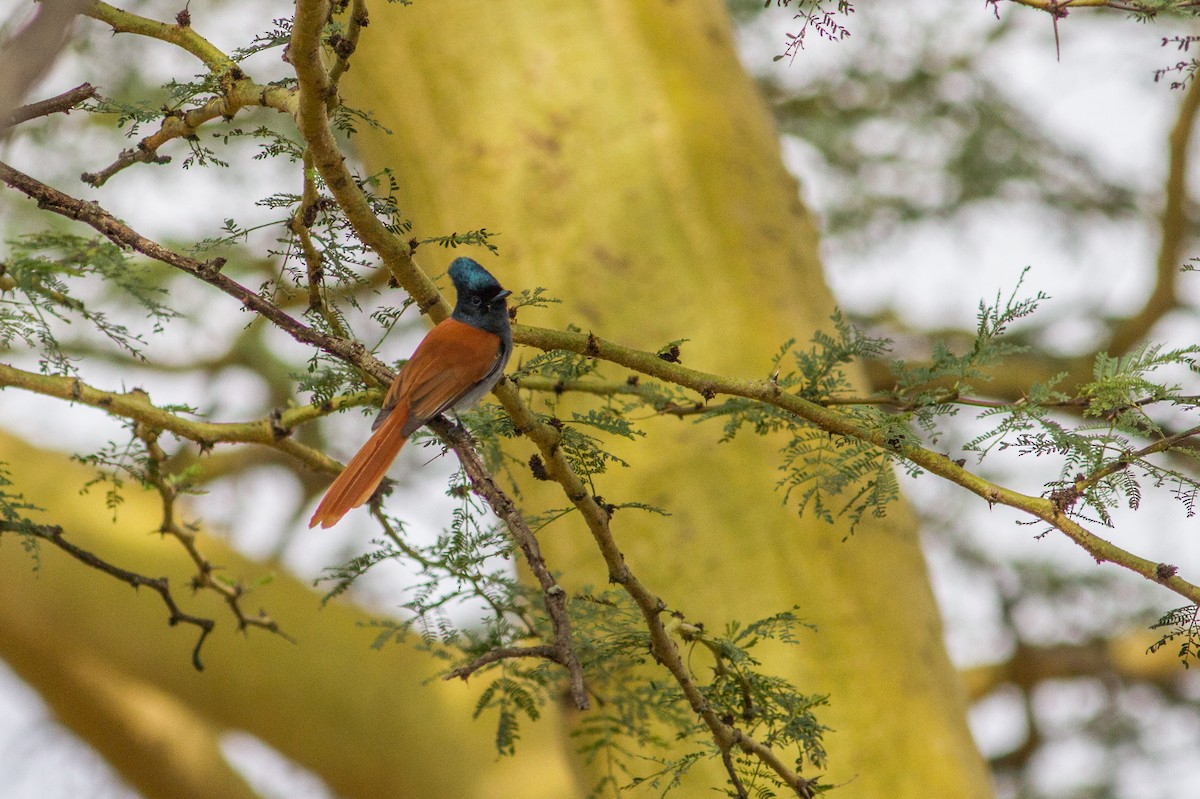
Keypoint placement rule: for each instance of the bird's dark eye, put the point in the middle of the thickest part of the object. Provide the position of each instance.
(476, 301)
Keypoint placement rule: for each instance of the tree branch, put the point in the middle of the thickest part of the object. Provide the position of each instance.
(316, 89)
(61, 103)
(240, 94)
(184, 37)
(236, 90)
(662, 645)
(767, 391)
(160, 585)
(122, 235)
(502, 653)
(136, 405)
(1059, 7)
(169, 490)
(32, 50)
(554, 597)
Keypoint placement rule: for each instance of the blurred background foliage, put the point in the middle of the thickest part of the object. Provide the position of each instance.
(940, 146)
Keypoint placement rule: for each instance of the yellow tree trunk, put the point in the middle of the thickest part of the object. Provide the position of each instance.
(632, 169)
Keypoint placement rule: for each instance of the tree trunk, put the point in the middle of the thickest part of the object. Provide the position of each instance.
(630, 167)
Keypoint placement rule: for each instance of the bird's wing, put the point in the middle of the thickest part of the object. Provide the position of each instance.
(452, 358)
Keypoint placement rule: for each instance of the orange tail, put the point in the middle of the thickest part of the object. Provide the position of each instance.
(363, 473)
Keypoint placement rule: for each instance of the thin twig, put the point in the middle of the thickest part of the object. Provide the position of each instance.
(734, 779)
(554, 597)
(237, 91)
(61, 103)
(241, 94)
(1162, 445)
(122, 235)
(1119, 5)
(503, 653)
(29, 53)
(345, 46)
(168, 491)
(160, 585)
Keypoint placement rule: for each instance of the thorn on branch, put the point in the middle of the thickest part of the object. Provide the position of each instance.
(211, 268)
(607, 507)
(278, 431)
(538, 467)
(1165, 571)
(670, 354)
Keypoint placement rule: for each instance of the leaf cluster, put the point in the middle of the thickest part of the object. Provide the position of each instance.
(1103, 461)
(13, 515)
(644, 734)
(1183, 627)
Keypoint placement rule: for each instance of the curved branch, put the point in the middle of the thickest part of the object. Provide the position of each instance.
(312, 119)
(236, 90)
(241, 94)
(182, 36)
(92, 214)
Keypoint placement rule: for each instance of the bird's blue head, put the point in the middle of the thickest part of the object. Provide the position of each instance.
(480, 296)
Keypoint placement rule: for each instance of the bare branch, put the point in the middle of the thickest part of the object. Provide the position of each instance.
(61, 103)
(503, 653)
(29, 54)
(160, 585)
(204, 578)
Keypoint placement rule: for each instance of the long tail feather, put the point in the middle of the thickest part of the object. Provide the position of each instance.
(363, 473)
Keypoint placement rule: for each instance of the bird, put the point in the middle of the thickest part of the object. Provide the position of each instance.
(459, 361)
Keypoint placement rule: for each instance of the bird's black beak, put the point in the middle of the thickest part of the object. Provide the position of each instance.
(501, 294)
